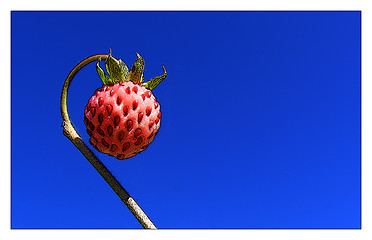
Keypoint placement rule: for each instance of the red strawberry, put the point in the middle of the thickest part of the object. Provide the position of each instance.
(123, 116)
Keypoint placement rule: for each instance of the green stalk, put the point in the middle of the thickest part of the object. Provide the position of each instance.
(70, 132)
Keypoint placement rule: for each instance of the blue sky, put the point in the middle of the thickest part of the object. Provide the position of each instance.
(260, 120)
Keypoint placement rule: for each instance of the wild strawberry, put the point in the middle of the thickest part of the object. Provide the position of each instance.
(123, 116)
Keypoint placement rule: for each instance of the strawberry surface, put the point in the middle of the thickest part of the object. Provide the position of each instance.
(122, 120)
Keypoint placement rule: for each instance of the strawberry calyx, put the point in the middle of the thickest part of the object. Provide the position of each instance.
(118, 71)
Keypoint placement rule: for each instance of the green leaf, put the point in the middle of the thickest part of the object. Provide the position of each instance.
(136, 73)
(125, 70)
(105, 79)
(142, 77)
(114, 69)
(151, 84)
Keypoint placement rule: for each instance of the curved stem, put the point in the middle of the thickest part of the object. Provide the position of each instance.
(70, 132)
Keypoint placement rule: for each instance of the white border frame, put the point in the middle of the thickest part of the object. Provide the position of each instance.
(122, 5)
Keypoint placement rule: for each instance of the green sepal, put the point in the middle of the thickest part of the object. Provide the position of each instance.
(114, 69)
(136, 73)
(125, 70)
(151, 84)
(105, 79)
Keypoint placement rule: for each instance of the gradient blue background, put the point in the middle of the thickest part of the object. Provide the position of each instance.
(260, 124)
